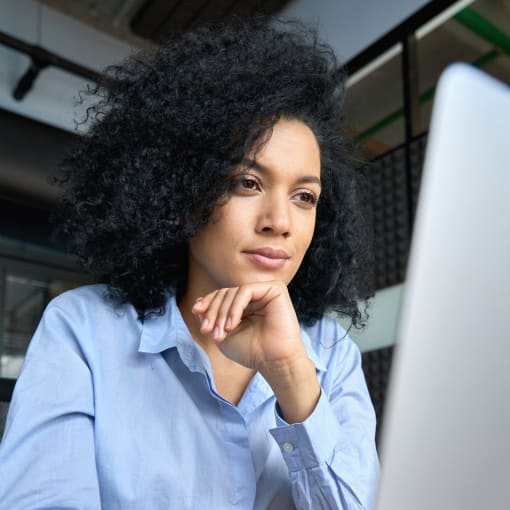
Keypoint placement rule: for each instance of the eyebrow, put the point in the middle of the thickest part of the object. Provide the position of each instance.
(252, 163)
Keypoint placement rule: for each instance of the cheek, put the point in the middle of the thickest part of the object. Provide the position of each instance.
(200, 244)
(236, 222)
(213, 241)
(309, 231)
(305, 238)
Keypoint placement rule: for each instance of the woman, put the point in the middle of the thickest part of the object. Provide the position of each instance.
(212, 197)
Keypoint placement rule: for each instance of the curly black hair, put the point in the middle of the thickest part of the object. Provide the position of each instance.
(166, 131)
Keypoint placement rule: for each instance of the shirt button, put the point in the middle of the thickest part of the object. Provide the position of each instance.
(287, 447)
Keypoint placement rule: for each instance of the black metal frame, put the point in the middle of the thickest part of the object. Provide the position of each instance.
(398, 34)
(40, 59)
(6, 389)
(408, 115)
(43, 58)
(403, 34)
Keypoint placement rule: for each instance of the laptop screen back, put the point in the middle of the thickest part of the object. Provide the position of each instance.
(446, 437)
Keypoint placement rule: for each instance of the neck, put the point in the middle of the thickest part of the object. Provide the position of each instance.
(185, 304)
(230, 378)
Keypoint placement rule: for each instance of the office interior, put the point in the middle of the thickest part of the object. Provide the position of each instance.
(393, 50)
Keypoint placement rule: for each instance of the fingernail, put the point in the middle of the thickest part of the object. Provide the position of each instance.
(228, 323)
(216, 332)
(205, 321)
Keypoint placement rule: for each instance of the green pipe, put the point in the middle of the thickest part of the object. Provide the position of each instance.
(424, 98)
(484, 29)
(479, 62)
(481, 27)
(390, 119)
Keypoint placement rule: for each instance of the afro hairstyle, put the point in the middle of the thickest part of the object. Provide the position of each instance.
(166, 129)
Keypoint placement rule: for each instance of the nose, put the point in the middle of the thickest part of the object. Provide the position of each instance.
(275, 215)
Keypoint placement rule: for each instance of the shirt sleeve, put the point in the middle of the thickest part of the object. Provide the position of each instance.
(331, 456)
(47, 457)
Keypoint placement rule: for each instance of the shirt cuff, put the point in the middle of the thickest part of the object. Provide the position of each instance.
(310, 443)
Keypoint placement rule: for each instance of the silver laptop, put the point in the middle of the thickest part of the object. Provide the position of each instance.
(446, 439)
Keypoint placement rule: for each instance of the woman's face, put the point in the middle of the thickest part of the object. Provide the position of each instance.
(263, 231)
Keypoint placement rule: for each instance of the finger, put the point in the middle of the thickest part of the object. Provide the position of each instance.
(223, 316)
(261, 293)
(200, 308)
(242, 305)
(202, 303)
(209, 324)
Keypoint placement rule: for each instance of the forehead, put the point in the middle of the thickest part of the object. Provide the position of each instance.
(290, 146)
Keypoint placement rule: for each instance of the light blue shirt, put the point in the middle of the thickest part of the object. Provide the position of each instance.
(111, 413)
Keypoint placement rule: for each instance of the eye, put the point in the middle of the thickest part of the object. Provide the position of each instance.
(245, 183)
(249, 183)
(306, 198)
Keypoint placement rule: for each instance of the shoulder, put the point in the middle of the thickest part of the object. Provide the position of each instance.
(332, 344)
(87, 294)
(86, 302)
(83, 321)
(327, 333)
(85, 314)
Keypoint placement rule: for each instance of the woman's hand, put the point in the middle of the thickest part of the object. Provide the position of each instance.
(256, 326)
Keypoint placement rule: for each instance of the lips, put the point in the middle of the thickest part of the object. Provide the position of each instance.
(267, 257)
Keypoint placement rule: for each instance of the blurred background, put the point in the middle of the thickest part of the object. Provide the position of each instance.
(394, 51)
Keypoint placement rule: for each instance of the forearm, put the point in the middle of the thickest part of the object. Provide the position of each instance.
(295, 386)
(331, 465)
(331, 455)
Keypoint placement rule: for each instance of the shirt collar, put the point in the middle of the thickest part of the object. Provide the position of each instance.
(169, 330)
(160, 332)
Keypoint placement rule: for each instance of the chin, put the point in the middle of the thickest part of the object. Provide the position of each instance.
(268, 277)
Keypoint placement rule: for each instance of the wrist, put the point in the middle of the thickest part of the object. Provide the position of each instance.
(295, 385)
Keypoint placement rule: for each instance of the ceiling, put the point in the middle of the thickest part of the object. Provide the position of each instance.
(371, 101)
(151, 21)
(479, 34)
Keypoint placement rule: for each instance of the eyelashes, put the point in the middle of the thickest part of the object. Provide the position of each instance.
(307, 197)
(247, 184)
